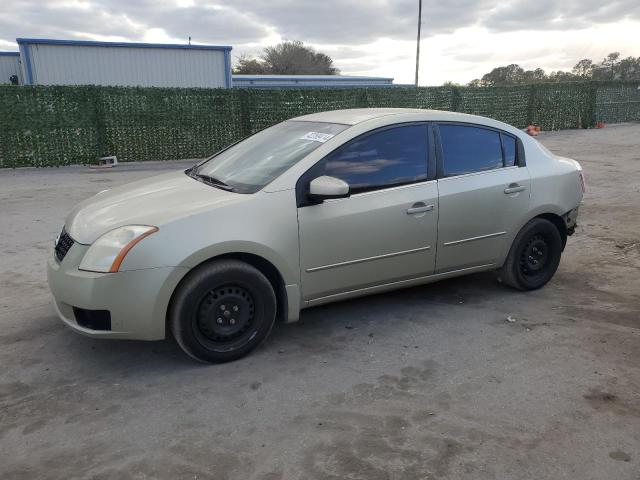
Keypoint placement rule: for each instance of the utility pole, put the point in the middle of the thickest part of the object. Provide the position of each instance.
(418, 43)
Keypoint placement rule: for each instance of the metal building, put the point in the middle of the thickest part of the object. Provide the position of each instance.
(72, 62)
(315, 81)
(10, 66)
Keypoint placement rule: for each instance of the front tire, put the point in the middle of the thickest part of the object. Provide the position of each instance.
(534, 256)
(222, 311)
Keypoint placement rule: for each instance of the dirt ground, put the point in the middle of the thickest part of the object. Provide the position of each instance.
(424, 383)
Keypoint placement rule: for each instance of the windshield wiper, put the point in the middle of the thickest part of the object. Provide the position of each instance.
(208, 179)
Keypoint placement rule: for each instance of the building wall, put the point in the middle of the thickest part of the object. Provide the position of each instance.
(145, 65)
(9, 65)
(300, 81)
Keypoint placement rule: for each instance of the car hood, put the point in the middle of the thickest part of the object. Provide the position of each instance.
(153, 201)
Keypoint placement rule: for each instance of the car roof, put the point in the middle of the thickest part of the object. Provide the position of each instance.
(354, 115)
(357, 115)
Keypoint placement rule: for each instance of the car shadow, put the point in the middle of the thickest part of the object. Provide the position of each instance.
(472, 289)
(315, 333)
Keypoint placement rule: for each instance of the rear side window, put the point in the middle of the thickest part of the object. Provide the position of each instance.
(469, 149)
(509, 148)
(394, 156)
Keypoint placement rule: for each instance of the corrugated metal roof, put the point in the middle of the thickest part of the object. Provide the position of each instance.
(91, 43)
(311, 77)
(301, 81)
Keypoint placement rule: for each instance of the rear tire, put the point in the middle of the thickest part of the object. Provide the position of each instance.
(534, 256)
(222, 311)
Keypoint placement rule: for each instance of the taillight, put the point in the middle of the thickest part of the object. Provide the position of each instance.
(583, 184)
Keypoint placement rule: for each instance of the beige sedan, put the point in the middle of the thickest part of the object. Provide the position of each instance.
(316, 209)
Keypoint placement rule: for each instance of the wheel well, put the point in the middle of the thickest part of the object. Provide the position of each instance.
(265, 267)
(560, 224)
(268, 270)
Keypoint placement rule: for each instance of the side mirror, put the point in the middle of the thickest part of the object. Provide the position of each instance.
(326, 187)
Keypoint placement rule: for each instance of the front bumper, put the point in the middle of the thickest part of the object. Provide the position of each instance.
(137, 300)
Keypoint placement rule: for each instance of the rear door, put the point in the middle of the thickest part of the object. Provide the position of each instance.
(386, 230)
(483, 194)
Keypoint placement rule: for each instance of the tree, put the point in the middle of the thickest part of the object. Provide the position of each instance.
(629, 68)
(534, 76)
(509, 75)
(287, 58)
(611, 68)
(609, 65)
(294, 58)
(249, 66)
(561, 76)
(584, 68)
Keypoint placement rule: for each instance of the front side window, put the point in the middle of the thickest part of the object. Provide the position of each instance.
(254, 162)
(469, 149)
(389, 157)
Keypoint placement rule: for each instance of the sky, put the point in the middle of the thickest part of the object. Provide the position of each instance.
(461, 39)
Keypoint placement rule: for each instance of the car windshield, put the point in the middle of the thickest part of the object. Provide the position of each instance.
(251, 164)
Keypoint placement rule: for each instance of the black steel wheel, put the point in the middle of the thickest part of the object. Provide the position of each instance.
(224, 317)
(222, 310)
(534, 256)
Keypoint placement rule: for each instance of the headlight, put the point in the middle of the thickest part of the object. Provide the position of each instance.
(107, 253)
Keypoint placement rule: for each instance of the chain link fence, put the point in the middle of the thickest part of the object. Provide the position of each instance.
(64, 125)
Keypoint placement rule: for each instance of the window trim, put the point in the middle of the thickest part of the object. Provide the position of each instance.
(375, 192)
(302, 184)
(516, 152)
(481, 172)
(520, 156)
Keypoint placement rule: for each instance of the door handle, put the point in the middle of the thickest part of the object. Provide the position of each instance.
(514, 188)
(419, 207)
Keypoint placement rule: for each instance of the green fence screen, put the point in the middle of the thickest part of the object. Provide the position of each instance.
(64, 125)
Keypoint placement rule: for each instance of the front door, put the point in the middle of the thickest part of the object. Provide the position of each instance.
(386, 230)
(484, 194)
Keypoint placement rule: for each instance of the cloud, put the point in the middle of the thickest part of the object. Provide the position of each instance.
(127, 20)
(361, 21)
(546, 15)
(474, 51)
(462, 39)
(61, 20)
(335, 22)
(205, 22)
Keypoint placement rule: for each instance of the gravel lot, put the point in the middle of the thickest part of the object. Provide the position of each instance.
(429, 382)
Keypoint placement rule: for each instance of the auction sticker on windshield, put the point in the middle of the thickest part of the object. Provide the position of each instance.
(317, 136)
